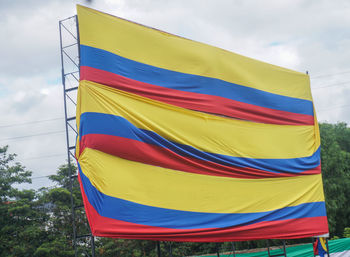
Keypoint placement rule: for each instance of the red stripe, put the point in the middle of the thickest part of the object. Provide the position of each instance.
(195, 101)
(159, 156)
(282, 229)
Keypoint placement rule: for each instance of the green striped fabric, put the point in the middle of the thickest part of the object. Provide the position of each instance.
(337, 248)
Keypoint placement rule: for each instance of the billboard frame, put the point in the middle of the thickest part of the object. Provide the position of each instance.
(70, 70)
(69, 119)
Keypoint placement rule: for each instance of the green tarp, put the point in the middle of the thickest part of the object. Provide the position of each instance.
(338, 248)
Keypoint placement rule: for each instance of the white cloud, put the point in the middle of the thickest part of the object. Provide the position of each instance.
(298, 34)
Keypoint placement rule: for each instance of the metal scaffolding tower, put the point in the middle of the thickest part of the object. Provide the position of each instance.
(83, 241)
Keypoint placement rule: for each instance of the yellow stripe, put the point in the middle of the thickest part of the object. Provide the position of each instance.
(167, 51)
(203, 131)
(165, 188)
(323, 243)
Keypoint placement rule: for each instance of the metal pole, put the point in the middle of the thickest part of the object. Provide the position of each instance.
(67, 141)
(284, 248)
(92, 246)
(268, 247)
(217, 250)
(171, 249)
(233, 249)
(158, 249)
(78, 39)
(327, 247)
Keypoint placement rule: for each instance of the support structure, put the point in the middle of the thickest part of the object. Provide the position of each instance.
(284, 253)
(158, 249)
(170, 249)
(70, 67)
(82, 241)
(217, 249)
(327, 247)
(233, 249)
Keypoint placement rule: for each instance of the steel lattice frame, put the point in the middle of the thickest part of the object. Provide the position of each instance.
(70, 68)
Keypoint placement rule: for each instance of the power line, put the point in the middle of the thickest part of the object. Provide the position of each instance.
(335, 107)
(34, 135)
(43, 157)
(333, 85)
(30, 122)
(329, 75)
(42, 176)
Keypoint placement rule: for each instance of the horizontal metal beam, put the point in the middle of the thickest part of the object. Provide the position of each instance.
(67, 18)
(71, 118)
(70, 73)
(82, 236)
(71, 89)
(69, 45)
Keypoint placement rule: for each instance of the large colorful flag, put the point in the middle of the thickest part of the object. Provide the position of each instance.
(182, 141)
(320, 247)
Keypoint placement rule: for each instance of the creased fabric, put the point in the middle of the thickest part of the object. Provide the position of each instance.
(182, 141)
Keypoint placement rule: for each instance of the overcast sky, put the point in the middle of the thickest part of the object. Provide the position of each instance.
(303, 35)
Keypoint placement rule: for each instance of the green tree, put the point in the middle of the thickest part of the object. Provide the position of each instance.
(60, 240)
(11, 173)
(21, 218)
(335, 156)
(346, 232)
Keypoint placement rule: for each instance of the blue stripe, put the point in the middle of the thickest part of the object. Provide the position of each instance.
(108, 124)
(107, 61)
(128, 211)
